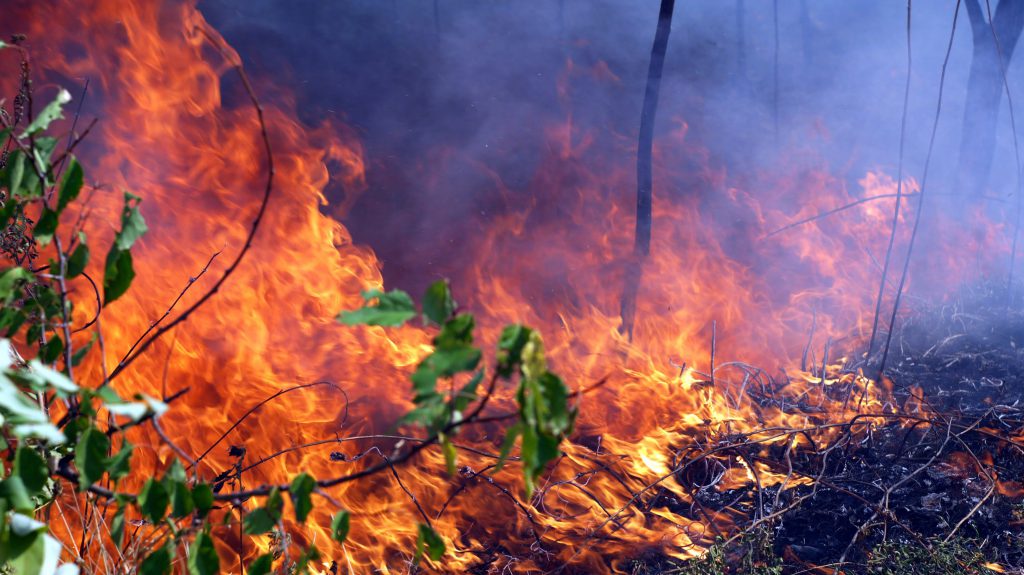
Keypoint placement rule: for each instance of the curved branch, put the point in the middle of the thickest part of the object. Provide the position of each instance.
(255, 223)
(170, 308)
(261, 404)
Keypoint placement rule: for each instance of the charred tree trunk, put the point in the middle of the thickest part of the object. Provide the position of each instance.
(644, 166)
(985, 89)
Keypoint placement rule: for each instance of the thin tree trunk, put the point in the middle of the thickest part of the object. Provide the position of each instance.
(644, 166)
(985, 90)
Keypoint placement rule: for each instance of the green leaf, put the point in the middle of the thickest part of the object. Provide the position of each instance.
(45, 227)
(53, 378)
(175, 472)
(16, 405)
(78, 260)
(12, 319)
(153, 500)
(33, 334)
(181, 499)
(448, 362)
(202, 496)
(45, 431)
(393, 309)
(511, 434)
(432, 413)
(545, 417)
(300, 490)
(310, 554)
(40, 557)
(429, 541)
(118, 271)
(120, 464)
(258, 521)
(510, 348)
(438, 305)
(80, 353)
(263, 519)
(51, 112)
(41, 154)
(468, 392)
(91, 457)
(133, 410)
(10, 282)
(456, 332)
(31, 468)
(158, 562)
(13, 490)
(203, 558)
(118, 275)
(70, 186)
(15, 172)
(534, 362)
(261, 566)
(340, 526)
(558, 417)
(530, 456)
(449, 452)
(50, 352)
(424, 381)
(117, 525)
(133, 225)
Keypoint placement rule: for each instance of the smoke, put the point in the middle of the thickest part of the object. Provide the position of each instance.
(453, 99)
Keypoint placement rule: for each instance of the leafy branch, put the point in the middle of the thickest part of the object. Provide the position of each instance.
(68, 439)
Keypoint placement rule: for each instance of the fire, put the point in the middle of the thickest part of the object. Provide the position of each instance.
(175, 130)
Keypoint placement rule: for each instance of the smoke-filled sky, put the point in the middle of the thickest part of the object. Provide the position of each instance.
(425, 82)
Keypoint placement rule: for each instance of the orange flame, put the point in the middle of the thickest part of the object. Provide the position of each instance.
(175, 132)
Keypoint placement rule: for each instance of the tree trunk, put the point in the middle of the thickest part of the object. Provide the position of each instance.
(644, 166)
(985, 90)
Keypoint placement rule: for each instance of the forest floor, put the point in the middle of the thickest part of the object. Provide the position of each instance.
(939, 494)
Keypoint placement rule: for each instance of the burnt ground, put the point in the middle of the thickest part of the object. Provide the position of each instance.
(946, 469)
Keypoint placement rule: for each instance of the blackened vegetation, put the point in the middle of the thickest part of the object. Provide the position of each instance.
(930, 482)
(937, 482)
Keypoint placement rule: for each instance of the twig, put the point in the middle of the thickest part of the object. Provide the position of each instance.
(842, 208)
(167, 312)
(899, 193)
(920, 207)
(181, 453)
(254, 408)
(237, 65)
(323, 483)
(99, 305)
(149, 416)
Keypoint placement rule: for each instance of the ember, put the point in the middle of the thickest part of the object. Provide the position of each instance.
(799, 353)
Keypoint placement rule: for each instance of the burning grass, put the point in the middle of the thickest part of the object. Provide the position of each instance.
(934, 485)
(755, 469)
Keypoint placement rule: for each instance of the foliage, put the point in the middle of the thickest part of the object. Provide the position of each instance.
(545, 416)
(753, 554)
(954, 557)
(750, 554)
(67, 439)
